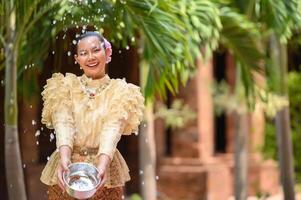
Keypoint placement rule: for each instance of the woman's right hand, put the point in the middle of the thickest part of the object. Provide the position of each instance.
(65, 154)
(63, 166)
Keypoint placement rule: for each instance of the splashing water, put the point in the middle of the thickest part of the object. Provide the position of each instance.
(37, 133)
(51, 137)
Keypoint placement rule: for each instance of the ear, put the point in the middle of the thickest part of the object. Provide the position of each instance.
(107, 51)
(108, 54)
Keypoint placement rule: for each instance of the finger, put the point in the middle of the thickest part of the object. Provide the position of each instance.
(60, 177)
(60, 185)
(103, 180)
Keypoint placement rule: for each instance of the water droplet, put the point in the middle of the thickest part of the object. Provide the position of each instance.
(121, 24)
(37, 133)
(51, 137)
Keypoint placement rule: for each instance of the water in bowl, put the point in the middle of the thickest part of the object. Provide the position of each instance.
(80, 181)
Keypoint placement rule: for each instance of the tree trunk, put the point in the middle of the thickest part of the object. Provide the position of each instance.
(282, 120)
(13, 164)
(241, 155)
(147, 149)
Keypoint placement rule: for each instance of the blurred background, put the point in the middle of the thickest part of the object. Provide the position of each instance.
(221, 80)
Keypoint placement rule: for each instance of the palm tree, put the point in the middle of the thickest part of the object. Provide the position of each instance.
(276, 21)
(159, 37)
(17, 18)
(170, 34)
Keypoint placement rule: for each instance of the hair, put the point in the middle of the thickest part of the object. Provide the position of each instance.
(90, 34)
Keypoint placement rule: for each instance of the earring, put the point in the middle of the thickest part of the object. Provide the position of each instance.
(75, 62)
(80, 68)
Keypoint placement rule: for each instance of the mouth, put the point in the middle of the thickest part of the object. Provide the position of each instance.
(92, 65)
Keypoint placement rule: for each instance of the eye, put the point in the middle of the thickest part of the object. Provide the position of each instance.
(83, 53)
(97, 50)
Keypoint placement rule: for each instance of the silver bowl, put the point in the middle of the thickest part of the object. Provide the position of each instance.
(81, 180)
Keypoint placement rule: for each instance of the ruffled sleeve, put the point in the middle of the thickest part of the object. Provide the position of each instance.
(125, 114)
(57, 109)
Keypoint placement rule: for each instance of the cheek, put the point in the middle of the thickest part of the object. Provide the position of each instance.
(81, 60)
(101, 55)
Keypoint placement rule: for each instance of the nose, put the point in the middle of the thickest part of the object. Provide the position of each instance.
(90, 56)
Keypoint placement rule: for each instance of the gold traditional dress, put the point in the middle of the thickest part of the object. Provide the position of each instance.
(90, 116)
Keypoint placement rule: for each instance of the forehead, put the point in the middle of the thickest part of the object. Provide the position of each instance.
(88, 42)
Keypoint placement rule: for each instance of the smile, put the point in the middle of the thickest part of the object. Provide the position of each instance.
(93, 64)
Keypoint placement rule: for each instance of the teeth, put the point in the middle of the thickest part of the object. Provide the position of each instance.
(92, 65)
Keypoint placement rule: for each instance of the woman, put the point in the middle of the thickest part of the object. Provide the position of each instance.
(89, 114)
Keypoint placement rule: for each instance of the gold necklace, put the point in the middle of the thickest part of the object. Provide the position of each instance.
(93, 92)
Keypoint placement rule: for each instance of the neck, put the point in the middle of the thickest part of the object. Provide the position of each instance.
(97, 76)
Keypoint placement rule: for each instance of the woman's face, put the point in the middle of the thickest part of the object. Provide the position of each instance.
(91, 57)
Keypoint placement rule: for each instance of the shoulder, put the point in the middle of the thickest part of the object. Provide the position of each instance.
(58, 85)
(59, 78)
(121, 84)
(126, 92)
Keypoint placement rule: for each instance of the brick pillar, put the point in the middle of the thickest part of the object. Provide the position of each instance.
(230, 122)
(257, 122)
(205, 109)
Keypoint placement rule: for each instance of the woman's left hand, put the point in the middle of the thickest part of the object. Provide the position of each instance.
(103, 167)
(102, 176)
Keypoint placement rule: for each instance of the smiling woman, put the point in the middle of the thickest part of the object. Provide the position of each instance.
(92, 54)
(89, 114)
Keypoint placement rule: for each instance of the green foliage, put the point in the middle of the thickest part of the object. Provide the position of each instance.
(135, 197)
(168, 33)
(177, 116)
(227, 101)
(241, 36)
(270, 146)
